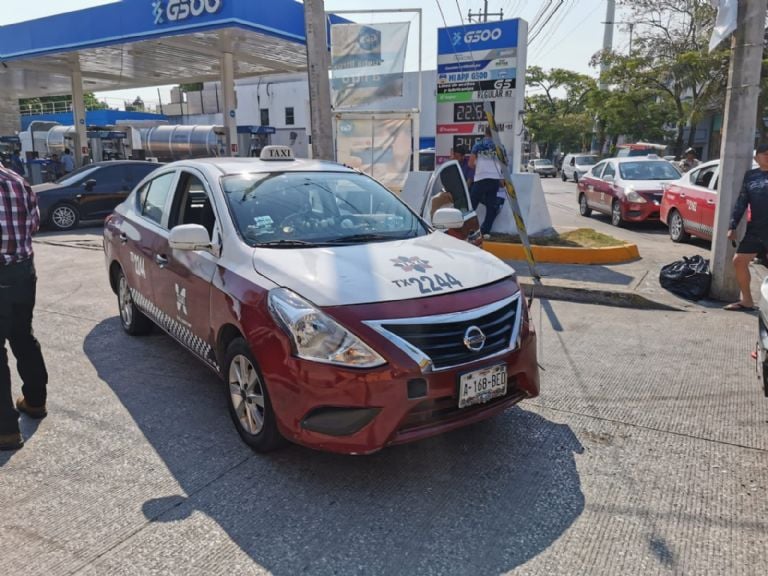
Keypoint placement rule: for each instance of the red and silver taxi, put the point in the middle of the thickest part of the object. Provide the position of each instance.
(628, 189)
(688, 205)
(335, 316)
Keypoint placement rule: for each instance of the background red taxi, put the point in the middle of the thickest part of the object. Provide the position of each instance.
(688, 205)
(628, 189)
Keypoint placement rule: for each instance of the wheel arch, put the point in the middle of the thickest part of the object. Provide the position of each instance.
(114, 268)
(227, 333)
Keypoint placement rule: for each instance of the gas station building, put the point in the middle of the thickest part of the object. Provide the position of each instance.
(139, 43)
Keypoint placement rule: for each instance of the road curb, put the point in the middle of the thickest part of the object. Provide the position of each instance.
(581, 295)
(565, 255)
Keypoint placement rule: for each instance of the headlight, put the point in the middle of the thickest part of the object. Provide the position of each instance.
(318, 337)
(633, 196)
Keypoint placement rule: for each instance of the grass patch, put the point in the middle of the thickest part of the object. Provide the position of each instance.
(579, 238)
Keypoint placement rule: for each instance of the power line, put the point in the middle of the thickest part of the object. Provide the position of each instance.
(581, 22)
(544, 24)
(557, 23)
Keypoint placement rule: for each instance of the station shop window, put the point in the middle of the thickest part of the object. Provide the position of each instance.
(289, 120)
(264, 116)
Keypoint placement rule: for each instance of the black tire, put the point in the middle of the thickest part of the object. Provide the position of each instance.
(676, 227)
(64, 216)
(616, 219)
(575, 176)
(562, 175)
(248, 399)
(584, 208)
(133, 321)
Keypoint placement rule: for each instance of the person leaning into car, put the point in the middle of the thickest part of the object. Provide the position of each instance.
(19, 219)
(754, 193)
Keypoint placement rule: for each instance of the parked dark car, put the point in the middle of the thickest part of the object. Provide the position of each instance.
(89, 193)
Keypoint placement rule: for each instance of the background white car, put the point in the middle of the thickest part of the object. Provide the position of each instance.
(576, 165)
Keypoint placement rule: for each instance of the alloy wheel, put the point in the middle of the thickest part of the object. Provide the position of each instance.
(126, 302)
(616, 213)
(64, 217)
(676, 227)
(247, 394)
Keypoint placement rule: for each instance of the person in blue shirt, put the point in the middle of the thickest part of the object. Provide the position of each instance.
(488, 179)
(754, 193)
(459, 154)
(68, 161)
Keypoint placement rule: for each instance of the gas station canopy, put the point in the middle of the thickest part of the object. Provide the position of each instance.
(136, 43)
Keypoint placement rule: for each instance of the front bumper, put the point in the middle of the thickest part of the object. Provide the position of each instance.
(362, 411)
(632, 212)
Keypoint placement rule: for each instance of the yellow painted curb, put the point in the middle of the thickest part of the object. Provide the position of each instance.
(565, 255)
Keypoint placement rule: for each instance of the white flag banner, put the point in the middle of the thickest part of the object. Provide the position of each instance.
(727, 13)
(367, 62)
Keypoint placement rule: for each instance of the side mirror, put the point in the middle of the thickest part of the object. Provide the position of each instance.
(447, 218)
(89, 184)
(189, 237)
(608, 178)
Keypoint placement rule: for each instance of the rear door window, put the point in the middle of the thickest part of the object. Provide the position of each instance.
(153, 197)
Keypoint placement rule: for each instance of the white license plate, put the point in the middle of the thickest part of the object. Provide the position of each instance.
(482, 385)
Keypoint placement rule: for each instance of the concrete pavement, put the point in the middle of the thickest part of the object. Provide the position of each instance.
(645, 454)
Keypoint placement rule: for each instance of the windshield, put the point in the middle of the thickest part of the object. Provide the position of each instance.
(586, 160)
(77, 175)
(649, 170)
(304, 208)
(542, 162)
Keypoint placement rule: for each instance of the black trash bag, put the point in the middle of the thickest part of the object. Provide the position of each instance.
(689, 277)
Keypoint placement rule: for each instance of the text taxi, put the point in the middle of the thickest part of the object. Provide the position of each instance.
(337, 318)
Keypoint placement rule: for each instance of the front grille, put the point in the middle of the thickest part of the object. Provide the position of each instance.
(441, 338)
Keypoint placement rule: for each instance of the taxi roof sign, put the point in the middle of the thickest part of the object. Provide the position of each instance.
(277, 153)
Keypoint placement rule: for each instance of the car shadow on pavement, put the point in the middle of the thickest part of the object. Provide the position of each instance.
(594, 273)
(480, 500)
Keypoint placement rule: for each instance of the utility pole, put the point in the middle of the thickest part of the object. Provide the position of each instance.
(483, 16)
(738, 137)
(318, 62)
(610, 14)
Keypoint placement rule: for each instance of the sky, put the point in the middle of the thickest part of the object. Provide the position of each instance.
(568, 40)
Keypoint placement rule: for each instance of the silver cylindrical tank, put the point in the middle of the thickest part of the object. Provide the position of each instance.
(180, 142)
(58, 138)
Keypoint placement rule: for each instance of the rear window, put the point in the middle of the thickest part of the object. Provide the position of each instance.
(649, 170)
(542, 162)
(586, 160)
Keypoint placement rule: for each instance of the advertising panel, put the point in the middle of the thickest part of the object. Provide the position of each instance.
(379, 145)
(480, 63)
(367, 62)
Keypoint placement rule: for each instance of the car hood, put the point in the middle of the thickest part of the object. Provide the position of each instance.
(430, 265)
(38, 188)
(645, 185)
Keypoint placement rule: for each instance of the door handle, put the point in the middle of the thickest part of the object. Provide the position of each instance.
(682, 194)
(710, 201)
(123, 237)
(161, 260)
(78, 196)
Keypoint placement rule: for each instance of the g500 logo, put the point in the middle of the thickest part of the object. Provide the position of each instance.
(474, 36)
(175, 10)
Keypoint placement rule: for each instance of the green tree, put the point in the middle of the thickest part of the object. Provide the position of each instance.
(556, 109)
(59, 103)
(671, 57)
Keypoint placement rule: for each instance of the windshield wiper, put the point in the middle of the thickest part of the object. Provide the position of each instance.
(366, 238)
(284, 244)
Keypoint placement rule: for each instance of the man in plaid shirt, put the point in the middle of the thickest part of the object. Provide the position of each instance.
(19, 219)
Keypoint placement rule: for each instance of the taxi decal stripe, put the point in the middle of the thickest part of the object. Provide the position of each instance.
(698, 227)
(176, 329)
